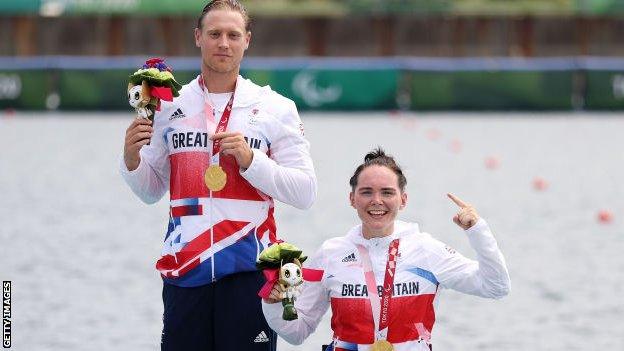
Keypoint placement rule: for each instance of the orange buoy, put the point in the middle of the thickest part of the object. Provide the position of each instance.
(492, 162)
(605, 216)
(539, 184)
(456, 146)
(394, 113)
(408, 122)
(9, 112)
(433, 134)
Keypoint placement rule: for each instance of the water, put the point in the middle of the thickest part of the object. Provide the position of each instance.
(80, 249)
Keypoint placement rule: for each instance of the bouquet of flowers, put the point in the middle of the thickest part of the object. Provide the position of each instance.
(148, 85)
(281, 262)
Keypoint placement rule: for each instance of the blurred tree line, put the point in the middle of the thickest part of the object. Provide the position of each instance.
(320, 7)
(321, 27)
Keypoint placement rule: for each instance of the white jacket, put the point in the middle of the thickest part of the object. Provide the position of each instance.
(423, 265)
(213, 234)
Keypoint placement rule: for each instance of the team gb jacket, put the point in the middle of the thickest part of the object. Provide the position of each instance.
(424, 265)
(212, 234)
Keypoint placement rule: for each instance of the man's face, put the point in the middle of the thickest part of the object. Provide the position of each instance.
(222, 40)
(377, 199)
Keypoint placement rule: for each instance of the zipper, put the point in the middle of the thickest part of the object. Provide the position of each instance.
(211, 224)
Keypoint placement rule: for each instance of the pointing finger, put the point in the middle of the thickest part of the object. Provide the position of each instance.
(457, 201)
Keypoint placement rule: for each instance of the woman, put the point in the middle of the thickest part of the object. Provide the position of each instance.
(402, 265)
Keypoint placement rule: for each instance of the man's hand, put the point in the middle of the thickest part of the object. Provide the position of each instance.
(276, 294)
(467, 215)
(138, 134)
(233, 143)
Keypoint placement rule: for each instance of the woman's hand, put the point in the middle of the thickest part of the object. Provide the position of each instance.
(467, 215)
(276, 295)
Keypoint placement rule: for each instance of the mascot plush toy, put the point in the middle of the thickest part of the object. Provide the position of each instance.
(290, 278)
(282, 262)
(149, 85)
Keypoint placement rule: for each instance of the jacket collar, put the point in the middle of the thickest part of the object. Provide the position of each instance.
(401, 229)
(247, 92)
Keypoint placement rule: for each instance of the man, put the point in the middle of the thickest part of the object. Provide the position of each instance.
(224, 149)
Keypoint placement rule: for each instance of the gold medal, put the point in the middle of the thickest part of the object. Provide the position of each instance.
(382, 345)
(215, 178)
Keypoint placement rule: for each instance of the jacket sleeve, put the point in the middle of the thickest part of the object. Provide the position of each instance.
(150, 181)
(311, 305)
(287, 174)
(486, 277)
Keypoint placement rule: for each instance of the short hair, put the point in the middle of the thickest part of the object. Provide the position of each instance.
(378, 157)
(233, 5)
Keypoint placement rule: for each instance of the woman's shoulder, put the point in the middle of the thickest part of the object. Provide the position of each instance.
(414, 239)
(434, 248)
(337, 242)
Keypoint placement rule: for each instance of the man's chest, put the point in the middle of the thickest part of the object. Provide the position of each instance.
(189, 130)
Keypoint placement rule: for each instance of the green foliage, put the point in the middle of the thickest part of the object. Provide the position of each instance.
(156, 78)
(299, 8)
(513, 7)
(319, 8)
(278, 254)
(400, 6)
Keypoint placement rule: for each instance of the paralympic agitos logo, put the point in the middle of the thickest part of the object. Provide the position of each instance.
(305, 85)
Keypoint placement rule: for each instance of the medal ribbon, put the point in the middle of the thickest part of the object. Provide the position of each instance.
(223, 122)
(214, 159)
(380, 306)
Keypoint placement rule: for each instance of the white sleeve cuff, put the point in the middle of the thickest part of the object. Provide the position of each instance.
(255, 167)
(478, 227)
(480, 236)
(128, 174)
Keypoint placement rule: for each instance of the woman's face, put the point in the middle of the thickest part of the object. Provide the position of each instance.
(377, 199)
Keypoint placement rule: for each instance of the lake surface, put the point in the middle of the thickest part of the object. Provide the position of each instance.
(80, 248)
